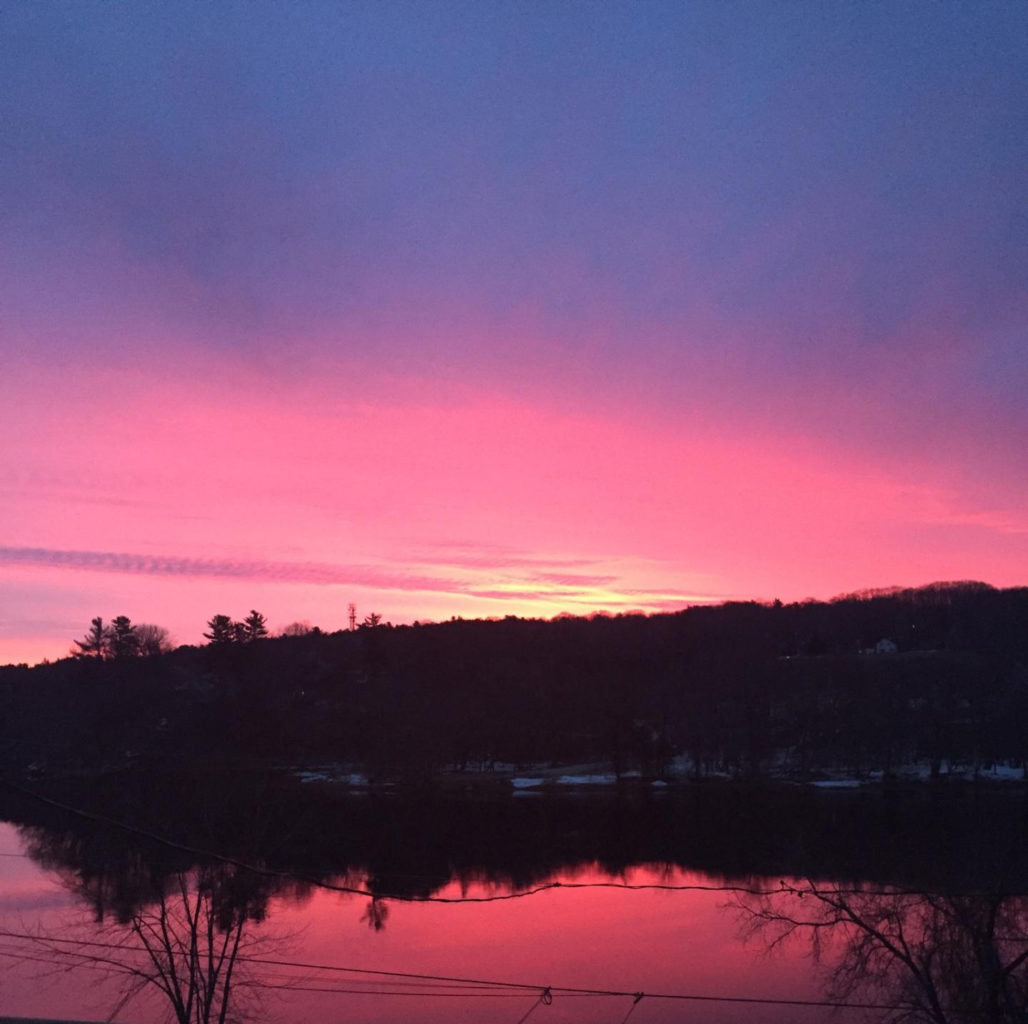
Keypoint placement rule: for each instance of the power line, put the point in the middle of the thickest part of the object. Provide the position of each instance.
(360, 891)
(545, 998)
(473, 986)
(410, 984)
(781, 889)
(635, 1002)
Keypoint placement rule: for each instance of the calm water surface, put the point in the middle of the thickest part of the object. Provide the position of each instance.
(72, 892)
(656, 941)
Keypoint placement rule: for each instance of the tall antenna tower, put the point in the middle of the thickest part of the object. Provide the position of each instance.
(353, 617)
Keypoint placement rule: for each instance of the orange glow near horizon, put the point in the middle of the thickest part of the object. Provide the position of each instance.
(462, 315)
(171, 505)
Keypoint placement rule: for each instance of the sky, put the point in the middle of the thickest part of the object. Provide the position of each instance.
(492, 308)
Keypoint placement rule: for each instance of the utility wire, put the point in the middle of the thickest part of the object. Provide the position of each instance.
(781, 889)
(482, 987)
(359, 891)
(545, 998)
(473, 987)
(635, 1002)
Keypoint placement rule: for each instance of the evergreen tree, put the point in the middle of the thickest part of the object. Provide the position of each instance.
(124, 643)
(255, 627)
(96, 643)
(222, 630)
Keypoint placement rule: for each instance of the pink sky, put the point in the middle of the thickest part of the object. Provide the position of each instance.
(171, 497)
(459, 309)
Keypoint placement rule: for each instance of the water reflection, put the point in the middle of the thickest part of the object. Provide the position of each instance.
(188, 918)
(188, 935)
(932, 957)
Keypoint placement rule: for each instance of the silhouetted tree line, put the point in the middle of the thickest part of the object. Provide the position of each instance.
(741, 688)
(121, 638)
(224, 630)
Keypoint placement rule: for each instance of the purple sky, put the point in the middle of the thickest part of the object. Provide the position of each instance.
(476, 308)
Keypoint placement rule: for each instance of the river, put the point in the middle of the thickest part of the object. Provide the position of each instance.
(322, 907)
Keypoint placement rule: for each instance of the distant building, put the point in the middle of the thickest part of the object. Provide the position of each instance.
(884, 646)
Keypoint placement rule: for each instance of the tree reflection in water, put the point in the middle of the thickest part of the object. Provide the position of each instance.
(943, 959)
(375, 914)
(187, 934)
(957, 960)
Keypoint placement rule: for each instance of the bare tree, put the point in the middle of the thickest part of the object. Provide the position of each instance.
(928, 957)
(193, 942)
(153, 639)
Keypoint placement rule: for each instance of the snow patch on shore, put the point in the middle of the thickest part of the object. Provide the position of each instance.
(600, 779)
(350, 778)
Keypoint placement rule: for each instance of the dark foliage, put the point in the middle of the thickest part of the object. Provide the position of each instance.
(739, 688)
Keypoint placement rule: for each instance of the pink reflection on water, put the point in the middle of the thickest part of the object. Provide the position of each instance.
(649, 941)
(608, 939)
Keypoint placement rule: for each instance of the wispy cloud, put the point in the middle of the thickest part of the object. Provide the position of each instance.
(999, 521)
(549, 596)
(571, 579)
(493, 557)
(527, 569)
(244, 569)
(494, 580)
